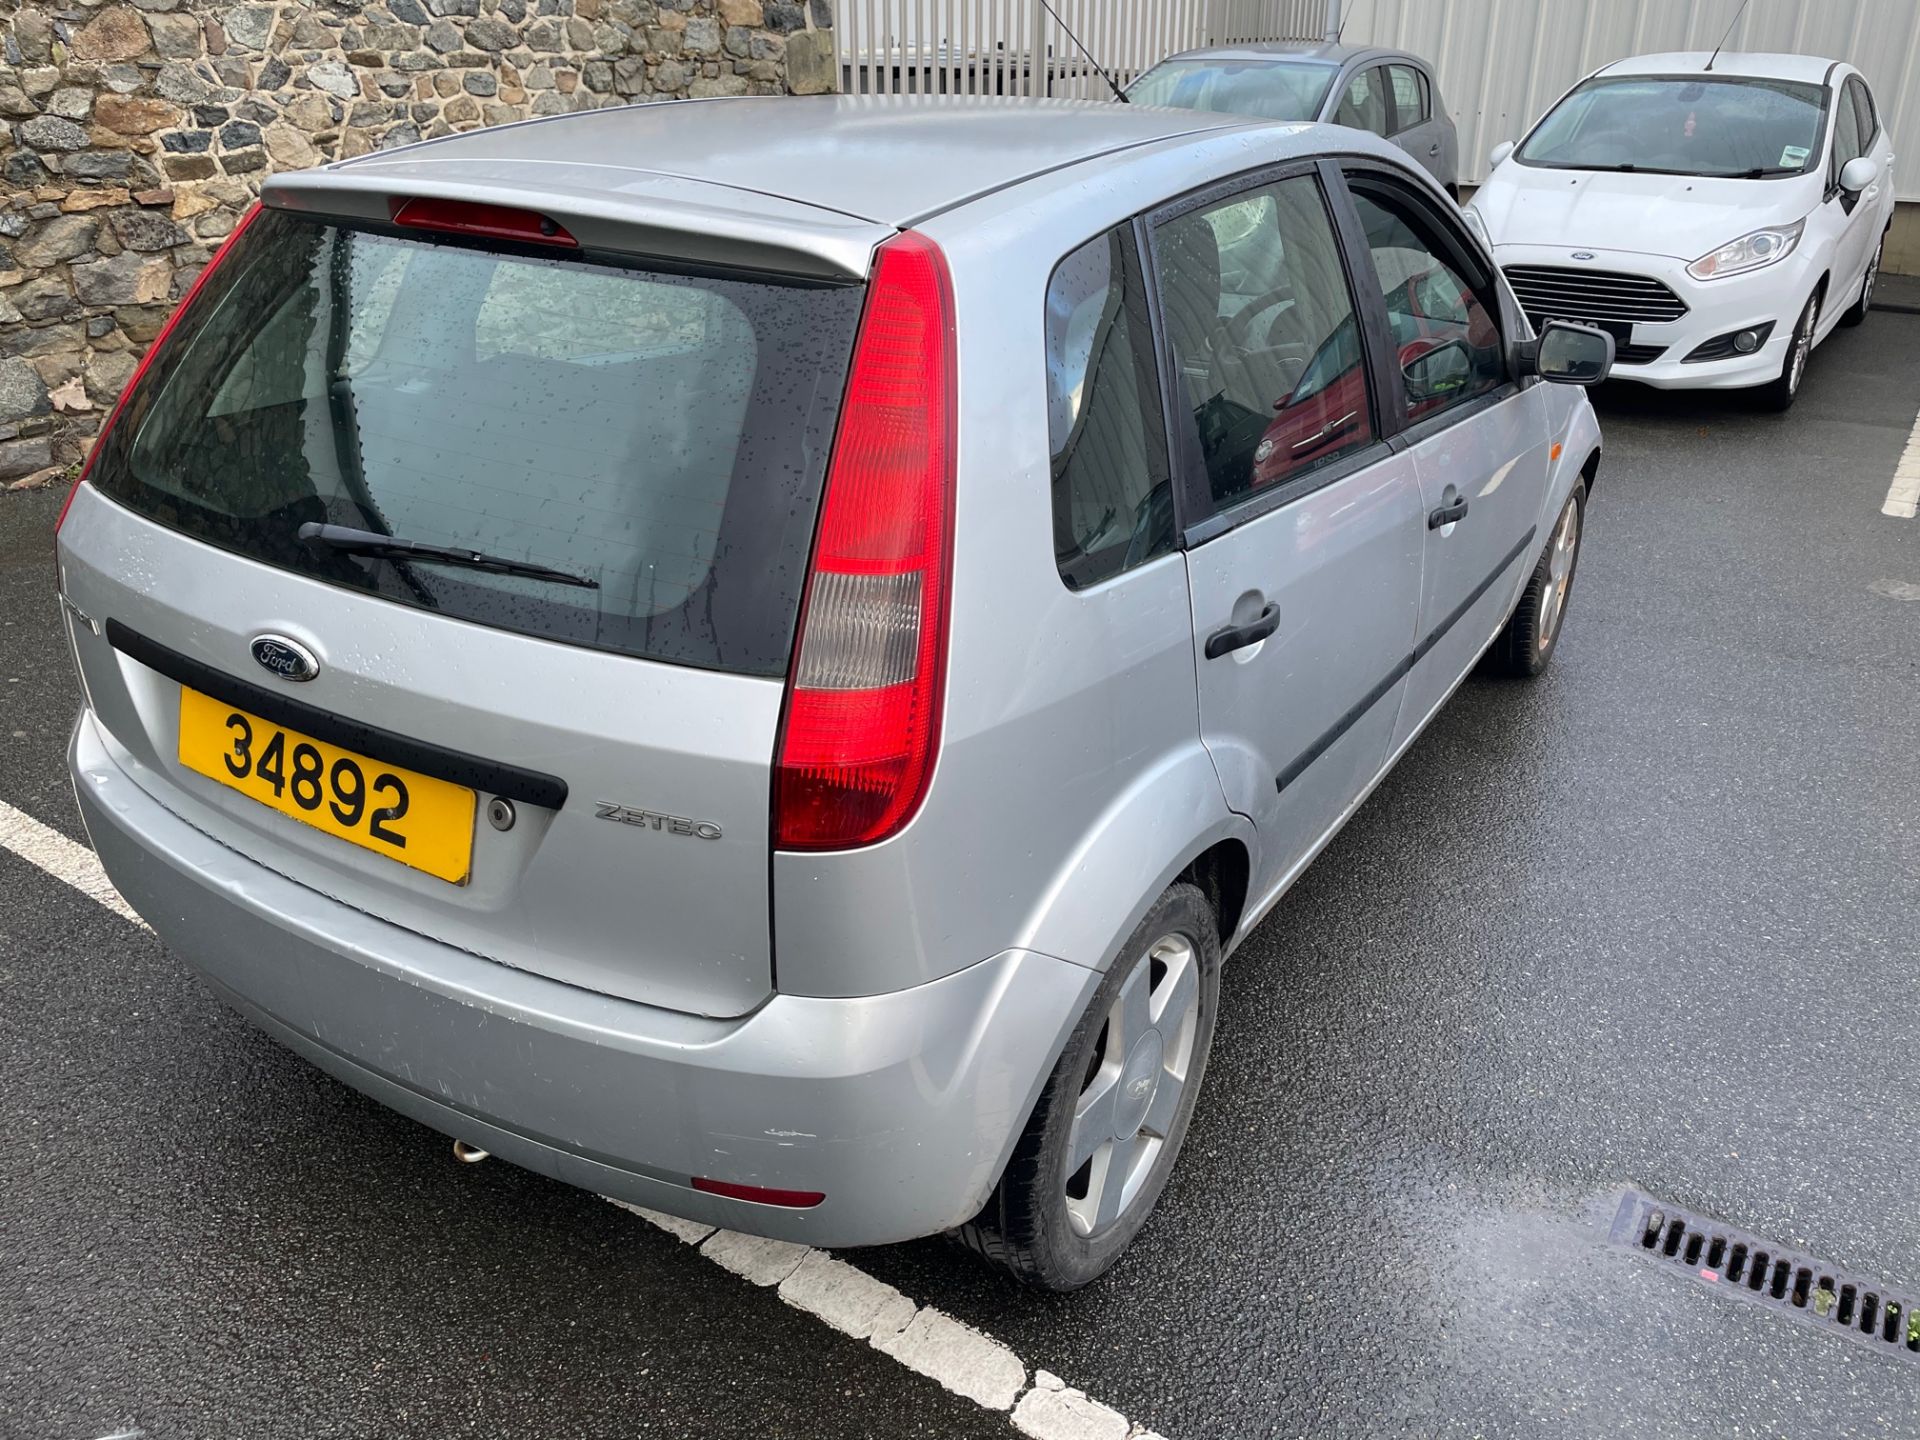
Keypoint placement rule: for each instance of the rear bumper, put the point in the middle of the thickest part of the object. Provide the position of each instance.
(902, 1107)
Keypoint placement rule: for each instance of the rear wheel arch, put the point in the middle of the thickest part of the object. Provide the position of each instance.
(1103, 886)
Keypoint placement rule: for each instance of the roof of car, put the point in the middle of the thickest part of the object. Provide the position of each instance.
(1327, 51)
(1729, 62)
(886, 159)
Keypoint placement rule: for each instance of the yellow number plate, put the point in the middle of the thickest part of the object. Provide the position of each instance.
(406, 816)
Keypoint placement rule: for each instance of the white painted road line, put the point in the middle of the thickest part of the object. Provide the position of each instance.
(842, 1296)
(61, 858)
(1903, 496)
(925, 1340)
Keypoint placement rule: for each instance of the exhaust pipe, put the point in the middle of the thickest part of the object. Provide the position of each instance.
(468, 1154)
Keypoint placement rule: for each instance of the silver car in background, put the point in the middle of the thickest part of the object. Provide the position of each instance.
(754, 690)
(1388, 93)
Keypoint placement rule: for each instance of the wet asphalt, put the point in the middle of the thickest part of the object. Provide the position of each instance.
(1652, 920)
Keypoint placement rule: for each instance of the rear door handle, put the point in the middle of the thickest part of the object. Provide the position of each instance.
(1453, 510)
(1238, 637)
(1434, 151)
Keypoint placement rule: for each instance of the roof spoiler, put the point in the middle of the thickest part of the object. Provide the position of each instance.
(644, 214)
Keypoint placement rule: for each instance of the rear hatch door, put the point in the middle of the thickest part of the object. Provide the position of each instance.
(635, 453)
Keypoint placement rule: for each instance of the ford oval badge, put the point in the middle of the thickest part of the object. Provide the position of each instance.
(1583, 255)
(287, 659)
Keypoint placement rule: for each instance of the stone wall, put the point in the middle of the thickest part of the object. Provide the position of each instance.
(132, 136)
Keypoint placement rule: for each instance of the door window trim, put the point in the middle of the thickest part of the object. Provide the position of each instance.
(1459, 249)
(1193, 511)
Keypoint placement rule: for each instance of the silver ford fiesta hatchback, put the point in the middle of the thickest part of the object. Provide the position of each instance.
(766, 687)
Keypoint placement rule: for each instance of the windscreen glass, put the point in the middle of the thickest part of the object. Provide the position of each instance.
(1261, 89)
(1683, 125)
(657, 438)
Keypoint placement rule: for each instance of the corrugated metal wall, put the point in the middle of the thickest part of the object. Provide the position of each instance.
(1503, 62)
(988, 47)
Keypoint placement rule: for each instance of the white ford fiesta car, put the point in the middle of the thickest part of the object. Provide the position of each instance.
(1719, 215)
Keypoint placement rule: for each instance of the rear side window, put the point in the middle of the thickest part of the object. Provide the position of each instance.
(1410, 104)
(1112, 498)
(662, 435)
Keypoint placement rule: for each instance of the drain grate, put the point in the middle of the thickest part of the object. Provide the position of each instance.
(1772, 1275)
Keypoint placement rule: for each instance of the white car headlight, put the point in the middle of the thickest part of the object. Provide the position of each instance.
(1477, 224)
(1749, 252)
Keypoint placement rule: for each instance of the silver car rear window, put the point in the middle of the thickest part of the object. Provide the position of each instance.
(661, 433)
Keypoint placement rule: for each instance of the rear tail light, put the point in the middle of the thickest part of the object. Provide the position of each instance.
(470, 217)
(140, 370)
(863, 706)
(759, 1194)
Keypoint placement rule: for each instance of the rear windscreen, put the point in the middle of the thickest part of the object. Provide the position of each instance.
(660, 435)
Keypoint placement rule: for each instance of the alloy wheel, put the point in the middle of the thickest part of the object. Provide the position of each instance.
(1126, 1109)
(1553, 599)
(1873, 277)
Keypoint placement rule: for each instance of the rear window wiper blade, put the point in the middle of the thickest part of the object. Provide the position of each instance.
(345, 540)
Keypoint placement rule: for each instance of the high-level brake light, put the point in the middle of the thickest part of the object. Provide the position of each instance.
(470, 217)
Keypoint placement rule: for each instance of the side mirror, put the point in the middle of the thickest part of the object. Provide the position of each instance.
(1569, 354)
(1499, 154)
(1438, 372)
(1858, 173)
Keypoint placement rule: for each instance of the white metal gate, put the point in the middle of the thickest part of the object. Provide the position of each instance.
(1014, 47)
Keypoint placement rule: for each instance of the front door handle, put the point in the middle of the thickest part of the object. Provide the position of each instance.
(1453, 506)
(1238, 637)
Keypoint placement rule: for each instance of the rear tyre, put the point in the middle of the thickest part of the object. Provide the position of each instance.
(1526, 646)
(1105, 1133)
(1780, 393)
(1857, 311)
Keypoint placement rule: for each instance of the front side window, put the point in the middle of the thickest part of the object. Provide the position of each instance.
(1446, 340)
(1263, 329)
(1410, 105)
(1112, 502)
(661, 439)
(1730, 126)
(1259, 89)
(1364, 103)
(1847, 142)
(1866, 121)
